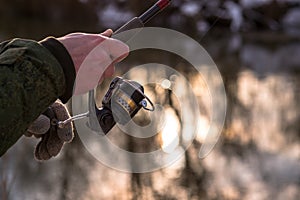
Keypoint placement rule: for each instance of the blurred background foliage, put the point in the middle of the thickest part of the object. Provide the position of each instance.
(256, 46)
(190, 16)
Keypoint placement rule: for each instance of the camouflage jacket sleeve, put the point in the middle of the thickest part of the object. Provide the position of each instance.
(32, 76)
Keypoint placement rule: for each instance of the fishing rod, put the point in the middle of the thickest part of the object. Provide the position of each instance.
(139, 22)
(124, 98)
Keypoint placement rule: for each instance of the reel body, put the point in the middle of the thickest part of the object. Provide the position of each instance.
(120, 104)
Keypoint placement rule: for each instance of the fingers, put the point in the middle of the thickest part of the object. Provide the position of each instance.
(40, 126)
(54, 143)
(107, 73)
(65, 134)
(41, 151)
(99, 64)
(55, 137)
(49, 146)
(121, 53)
(93, 56)
(116, 49)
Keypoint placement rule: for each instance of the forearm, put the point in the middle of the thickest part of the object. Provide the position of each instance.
(31, 79)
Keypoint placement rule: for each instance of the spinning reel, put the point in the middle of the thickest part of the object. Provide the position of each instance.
(124, 98)
(120, 104)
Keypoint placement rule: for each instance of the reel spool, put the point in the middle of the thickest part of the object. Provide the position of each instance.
(120, 104)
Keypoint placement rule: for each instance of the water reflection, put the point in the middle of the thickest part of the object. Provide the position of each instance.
(170, 132)
(262, 156)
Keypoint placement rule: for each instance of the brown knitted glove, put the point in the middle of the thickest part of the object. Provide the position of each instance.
(53, 137)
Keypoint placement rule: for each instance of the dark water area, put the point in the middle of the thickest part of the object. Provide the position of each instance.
(256, 157)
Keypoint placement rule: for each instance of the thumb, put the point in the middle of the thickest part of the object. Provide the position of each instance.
(107, 33)
(40, 126)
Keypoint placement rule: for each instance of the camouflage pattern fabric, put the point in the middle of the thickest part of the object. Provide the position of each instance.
(31, 79)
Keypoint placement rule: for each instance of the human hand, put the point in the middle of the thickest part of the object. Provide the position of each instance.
(94, 56)
(52, 136)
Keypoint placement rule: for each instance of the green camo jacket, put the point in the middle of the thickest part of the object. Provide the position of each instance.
(32, 76)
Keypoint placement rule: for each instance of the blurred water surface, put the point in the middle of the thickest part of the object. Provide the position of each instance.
(257, 156)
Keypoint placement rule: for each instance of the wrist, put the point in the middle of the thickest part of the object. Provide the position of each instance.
(58, 50)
